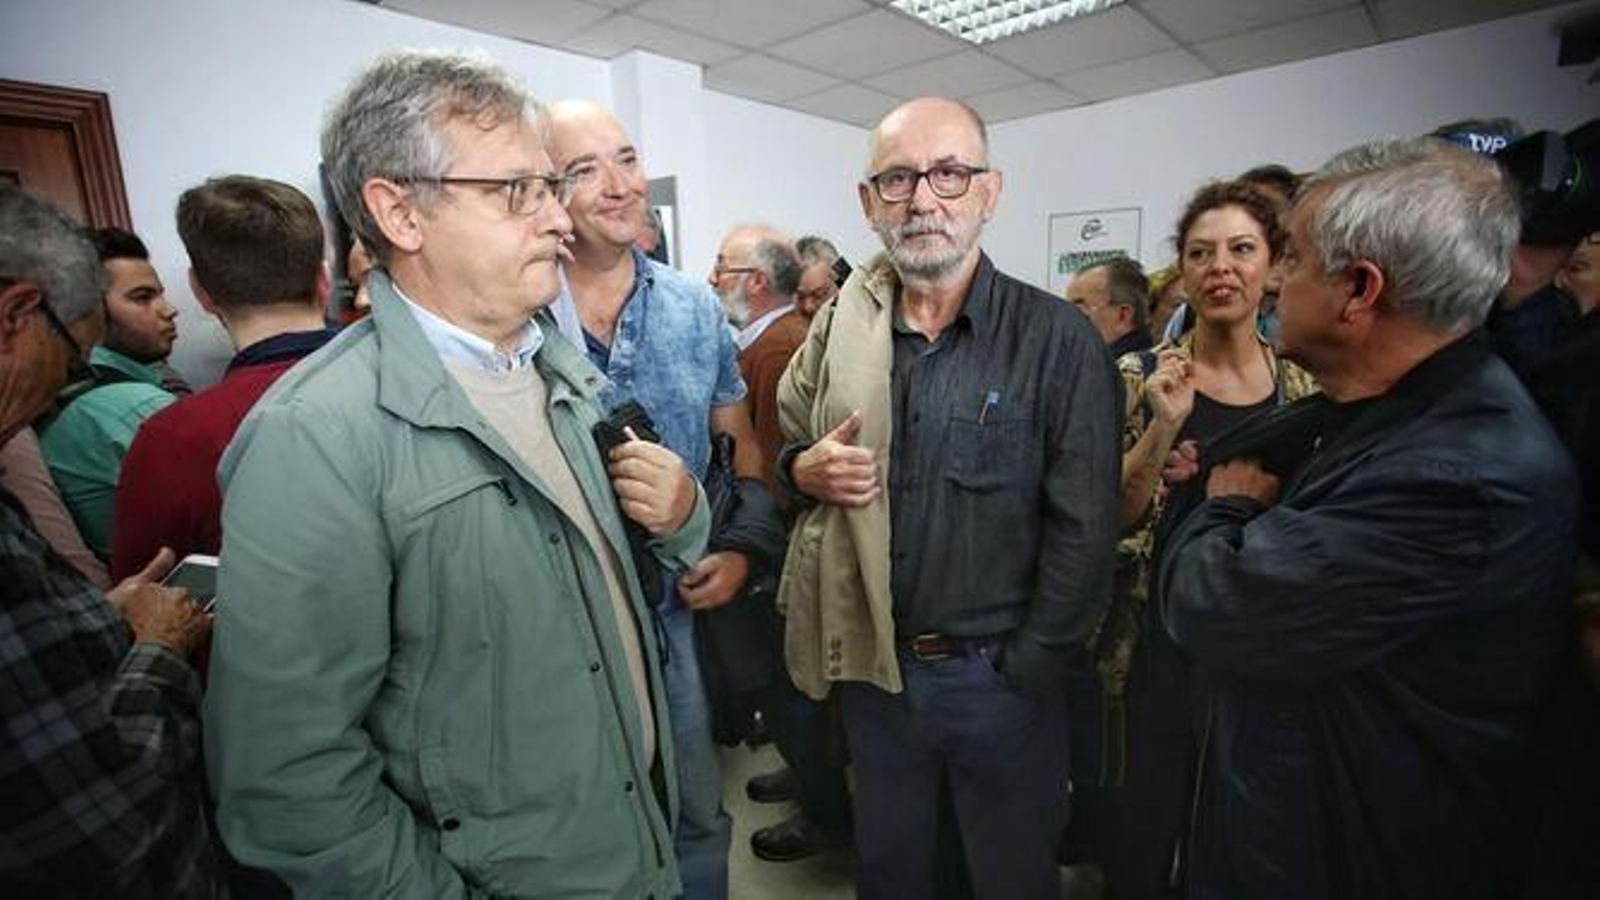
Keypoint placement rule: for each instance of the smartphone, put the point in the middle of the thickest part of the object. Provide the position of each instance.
(610, 432)
(198, 573)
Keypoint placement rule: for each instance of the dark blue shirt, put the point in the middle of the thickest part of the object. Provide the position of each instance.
(1003, 472)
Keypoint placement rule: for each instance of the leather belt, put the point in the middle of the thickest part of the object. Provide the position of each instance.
(933, 646)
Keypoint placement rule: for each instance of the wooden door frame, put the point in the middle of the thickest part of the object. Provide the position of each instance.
(86, 116)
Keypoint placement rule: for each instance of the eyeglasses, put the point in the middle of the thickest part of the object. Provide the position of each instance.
(719, 270)
(1084, 304)
(525, 194)
(820, 295)
(78, 368)
(948, 181)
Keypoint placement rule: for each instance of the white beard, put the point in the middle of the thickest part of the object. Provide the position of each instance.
(737, 305)
(931, 265)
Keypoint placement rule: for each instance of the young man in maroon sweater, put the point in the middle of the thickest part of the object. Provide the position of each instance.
(255, 251)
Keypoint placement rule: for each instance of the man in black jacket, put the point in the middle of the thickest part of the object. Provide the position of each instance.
(1374, 616)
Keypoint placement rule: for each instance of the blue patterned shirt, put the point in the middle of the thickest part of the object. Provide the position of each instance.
(672, 352)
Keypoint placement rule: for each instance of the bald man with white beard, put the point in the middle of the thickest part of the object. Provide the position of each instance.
(945, 582)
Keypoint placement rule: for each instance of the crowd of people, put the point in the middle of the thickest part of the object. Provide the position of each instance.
(1263, 575)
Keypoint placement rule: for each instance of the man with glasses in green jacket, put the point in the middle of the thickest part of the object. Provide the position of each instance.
(434, 674)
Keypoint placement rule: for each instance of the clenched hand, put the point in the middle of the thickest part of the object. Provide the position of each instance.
(653, 485)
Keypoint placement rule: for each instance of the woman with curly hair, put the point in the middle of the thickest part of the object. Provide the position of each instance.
(1180, 394)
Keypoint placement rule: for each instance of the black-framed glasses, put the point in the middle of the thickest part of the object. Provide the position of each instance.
(820, 295)
(948, 181)
(525, 194)
(720, 270)
(78, 368)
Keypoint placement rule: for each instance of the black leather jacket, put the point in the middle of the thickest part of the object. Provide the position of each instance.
(1373, 646)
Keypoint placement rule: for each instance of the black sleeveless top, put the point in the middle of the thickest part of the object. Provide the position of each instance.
(1210, 418)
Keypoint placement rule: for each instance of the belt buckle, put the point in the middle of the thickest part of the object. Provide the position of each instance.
(932, 646)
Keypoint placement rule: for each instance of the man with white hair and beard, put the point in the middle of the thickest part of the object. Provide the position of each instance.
(949, 578)
(757, 274)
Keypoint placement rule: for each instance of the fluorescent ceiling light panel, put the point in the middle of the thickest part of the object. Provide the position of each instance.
(981, 21)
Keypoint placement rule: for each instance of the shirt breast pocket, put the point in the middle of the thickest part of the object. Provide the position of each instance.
(993, 455)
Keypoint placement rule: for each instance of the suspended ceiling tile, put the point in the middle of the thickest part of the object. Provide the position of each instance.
(1076, 44)
(1137, 76)
(1192, 22)
(1408, 18)
(1017, 101)
(622, 33)
(549, 22)
(761, 77)
(1307, 38)
(749, 23)
(868, 45)
(967, 72)
(848, 103)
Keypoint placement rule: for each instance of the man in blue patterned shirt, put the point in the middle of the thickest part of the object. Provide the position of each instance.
(99, 740)
(662, 339)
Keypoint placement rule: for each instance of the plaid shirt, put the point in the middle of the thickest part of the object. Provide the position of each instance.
(100, 784)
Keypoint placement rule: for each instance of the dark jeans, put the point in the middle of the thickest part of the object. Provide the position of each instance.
(1002, 757)
(799, 728)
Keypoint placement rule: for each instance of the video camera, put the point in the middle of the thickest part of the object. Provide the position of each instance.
(1557, 176)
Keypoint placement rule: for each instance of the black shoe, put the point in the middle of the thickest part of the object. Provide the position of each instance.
(773, 787)
(794, 838)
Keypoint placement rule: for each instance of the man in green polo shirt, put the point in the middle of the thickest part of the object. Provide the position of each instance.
(85, 442)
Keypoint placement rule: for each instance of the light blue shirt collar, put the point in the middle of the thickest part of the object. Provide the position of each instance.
(455, 344)
(753, 331)
(565, 309)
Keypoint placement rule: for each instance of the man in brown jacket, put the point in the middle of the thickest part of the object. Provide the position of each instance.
(756, 275)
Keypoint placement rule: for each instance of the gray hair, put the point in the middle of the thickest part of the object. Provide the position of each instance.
(813, 250)
(391, 121)
(40, 245)
(1440, 222)
(773, 253)
(1128, 286)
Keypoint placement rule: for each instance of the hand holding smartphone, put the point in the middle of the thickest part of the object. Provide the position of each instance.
(196, 572)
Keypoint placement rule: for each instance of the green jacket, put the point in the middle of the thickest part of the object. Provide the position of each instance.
(85, 444)
(418, 688)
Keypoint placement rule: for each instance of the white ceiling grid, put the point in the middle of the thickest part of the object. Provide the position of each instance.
(852, 60)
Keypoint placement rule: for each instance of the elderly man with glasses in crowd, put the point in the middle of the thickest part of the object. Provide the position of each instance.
(1373, 588)
(434, 673)
(946, 580)
(99, 741)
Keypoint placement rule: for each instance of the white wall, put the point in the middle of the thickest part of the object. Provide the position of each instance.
(1152, 151)
(794, 171)
(208, 87)
(658, 101)
(205, 87)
